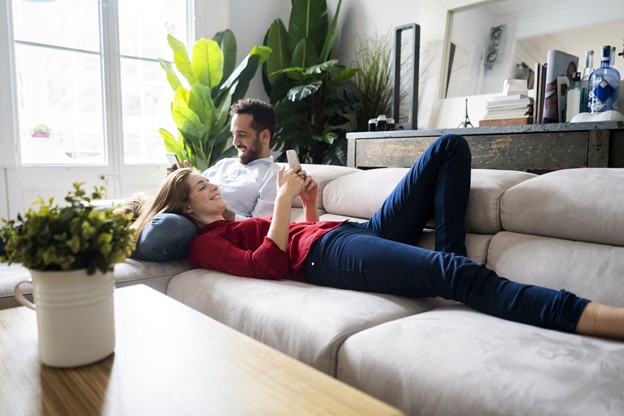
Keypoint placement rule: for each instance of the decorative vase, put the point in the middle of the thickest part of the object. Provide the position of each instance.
(75, 316)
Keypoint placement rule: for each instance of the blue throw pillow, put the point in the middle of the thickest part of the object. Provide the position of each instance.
(167, 237)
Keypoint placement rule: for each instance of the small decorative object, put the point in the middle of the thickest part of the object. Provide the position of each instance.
(381, 123)
(71, 251)
(41, 130)
(466, 122)
(492, 50)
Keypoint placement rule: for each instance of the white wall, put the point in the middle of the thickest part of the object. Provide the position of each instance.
(211, 16)
(249, 20)
(370, 18)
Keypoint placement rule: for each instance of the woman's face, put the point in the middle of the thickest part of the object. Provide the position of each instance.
(205, 203)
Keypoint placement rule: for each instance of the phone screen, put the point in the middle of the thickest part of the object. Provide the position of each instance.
(173, 159)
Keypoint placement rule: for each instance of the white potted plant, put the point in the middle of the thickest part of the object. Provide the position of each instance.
(70, 250)
(41, 130)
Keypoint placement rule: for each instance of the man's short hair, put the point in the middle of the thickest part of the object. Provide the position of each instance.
(263, 113)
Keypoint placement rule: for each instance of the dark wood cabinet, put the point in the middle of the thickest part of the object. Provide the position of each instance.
(537, 148)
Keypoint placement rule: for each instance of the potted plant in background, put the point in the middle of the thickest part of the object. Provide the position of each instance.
(70, 251)
(41, 130)
(374, 78)
(200, 109)
(315, 97)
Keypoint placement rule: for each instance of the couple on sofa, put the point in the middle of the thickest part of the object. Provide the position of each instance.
(379, 255)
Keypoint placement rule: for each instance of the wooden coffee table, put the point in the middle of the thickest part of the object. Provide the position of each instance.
(169, 360)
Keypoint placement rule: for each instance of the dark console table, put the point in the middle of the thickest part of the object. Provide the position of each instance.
(537, 148)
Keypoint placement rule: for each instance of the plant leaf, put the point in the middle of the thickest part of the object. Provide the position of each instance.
(207, 62)
(304, 54)
(331, 35)
(189, 125)
(300, 92)
(227, 44)
(245, 71)
(322, 67)
(345, 74)
(172, 77)
(201, 103)
(181, 59)
(308, 20)
(277, 40)
(171, 144)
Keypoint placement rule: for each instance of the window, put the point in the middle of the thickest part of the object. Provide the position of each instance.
(87, 72)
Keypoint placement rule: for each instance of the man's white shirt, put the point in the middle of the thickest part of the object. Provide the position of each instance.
(249, 190)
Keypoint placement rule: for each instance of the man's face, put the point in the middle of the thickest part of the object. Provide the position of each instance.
(245, 139)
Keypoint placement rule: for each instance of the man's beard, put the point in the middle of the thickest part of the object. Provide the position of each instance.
(252, 152)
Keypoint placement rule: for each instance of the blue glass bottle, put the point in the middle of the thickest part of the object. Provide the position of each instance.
(604, 85)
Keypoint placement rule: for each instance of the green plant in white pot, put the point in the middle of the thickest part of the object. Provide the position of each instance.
(41, 130)
(70, 250)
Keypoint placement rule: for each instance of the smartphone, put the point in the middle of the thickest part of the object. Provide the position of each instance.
(173, 160)
(293, 159)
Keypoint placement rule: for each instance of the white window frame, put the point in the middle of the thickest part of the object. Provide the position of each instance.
(205, 19)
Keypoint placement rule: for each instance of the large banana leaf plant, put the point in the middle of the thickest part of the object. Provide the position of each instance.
(200, 107)
(314, 96)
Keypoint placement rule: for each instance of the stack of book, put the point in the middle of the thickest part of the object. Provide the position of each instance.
(506, 110)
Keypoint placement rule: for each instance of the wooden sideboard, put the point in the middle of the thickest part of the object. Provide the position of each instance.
(537, 148)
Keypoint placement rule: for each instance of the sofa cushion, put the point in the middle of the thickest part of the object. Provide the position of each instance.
(159, 242)
(487, 187)
(576, 204)
(323, 174)
(153, 274)
(455, 361)
(130, 272)
(304, 321)
(594, 271)
(361, 194)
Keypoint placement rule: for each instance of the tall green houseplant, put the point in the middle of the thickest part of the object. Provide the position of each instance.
(315, 97)
(375, 77)
(200, 107)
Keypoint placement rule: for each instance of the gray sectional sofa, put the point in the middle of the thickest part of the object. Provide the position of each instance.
(563, 229)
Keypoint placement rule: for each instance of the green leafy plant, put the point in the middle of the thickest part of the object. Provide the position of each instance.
(374, 79)
(200, 107)
(74, 236)
(41, 129)
(315, 97)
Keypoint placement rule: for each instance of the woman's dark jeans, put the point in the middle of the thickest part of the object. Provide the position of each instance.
(380, 255)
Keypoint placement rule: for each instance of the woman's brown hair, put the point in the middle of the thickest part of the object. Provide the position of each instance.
(172, 196)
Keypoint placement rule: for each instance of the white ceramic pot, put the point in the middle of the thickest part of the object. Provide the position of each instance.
(75, 316)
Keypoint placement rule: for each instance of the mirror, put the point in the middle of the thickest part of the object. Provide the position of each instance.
(496, 40)
(406, 69)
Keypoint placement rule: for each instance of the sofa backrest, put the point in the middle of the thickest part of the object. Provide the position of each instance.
(361, 193)
(584, 204)
(565, 229)
(323, 174)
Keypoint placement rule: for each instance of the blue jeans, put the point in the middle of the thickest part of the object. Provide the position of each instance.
(380, 255)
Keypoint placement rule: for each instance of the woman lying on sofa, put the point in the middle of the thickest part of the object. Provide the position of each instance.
(379, 255)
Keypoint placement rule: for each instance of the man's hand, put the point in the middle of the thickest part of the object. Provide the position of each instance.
(185, 164)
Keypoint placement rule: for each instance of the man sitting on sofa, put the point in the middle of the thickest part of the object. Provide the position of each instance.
(247, 183)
